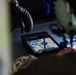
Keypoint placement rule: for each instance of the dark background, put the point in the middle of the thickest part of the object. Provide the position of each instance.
(35, 9)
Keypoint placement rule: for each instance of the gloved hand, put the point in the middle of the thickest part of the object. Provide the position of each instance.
(65, 51)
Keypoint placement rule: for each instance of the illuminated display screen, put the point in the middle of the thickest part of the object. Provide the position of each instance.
(39, 45)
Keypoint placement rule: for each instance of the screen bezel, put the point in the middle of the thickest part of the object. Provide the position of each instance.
(25, 40)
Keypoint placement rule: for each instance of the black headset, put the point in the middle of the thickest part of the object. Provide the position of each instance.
(23, 14)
